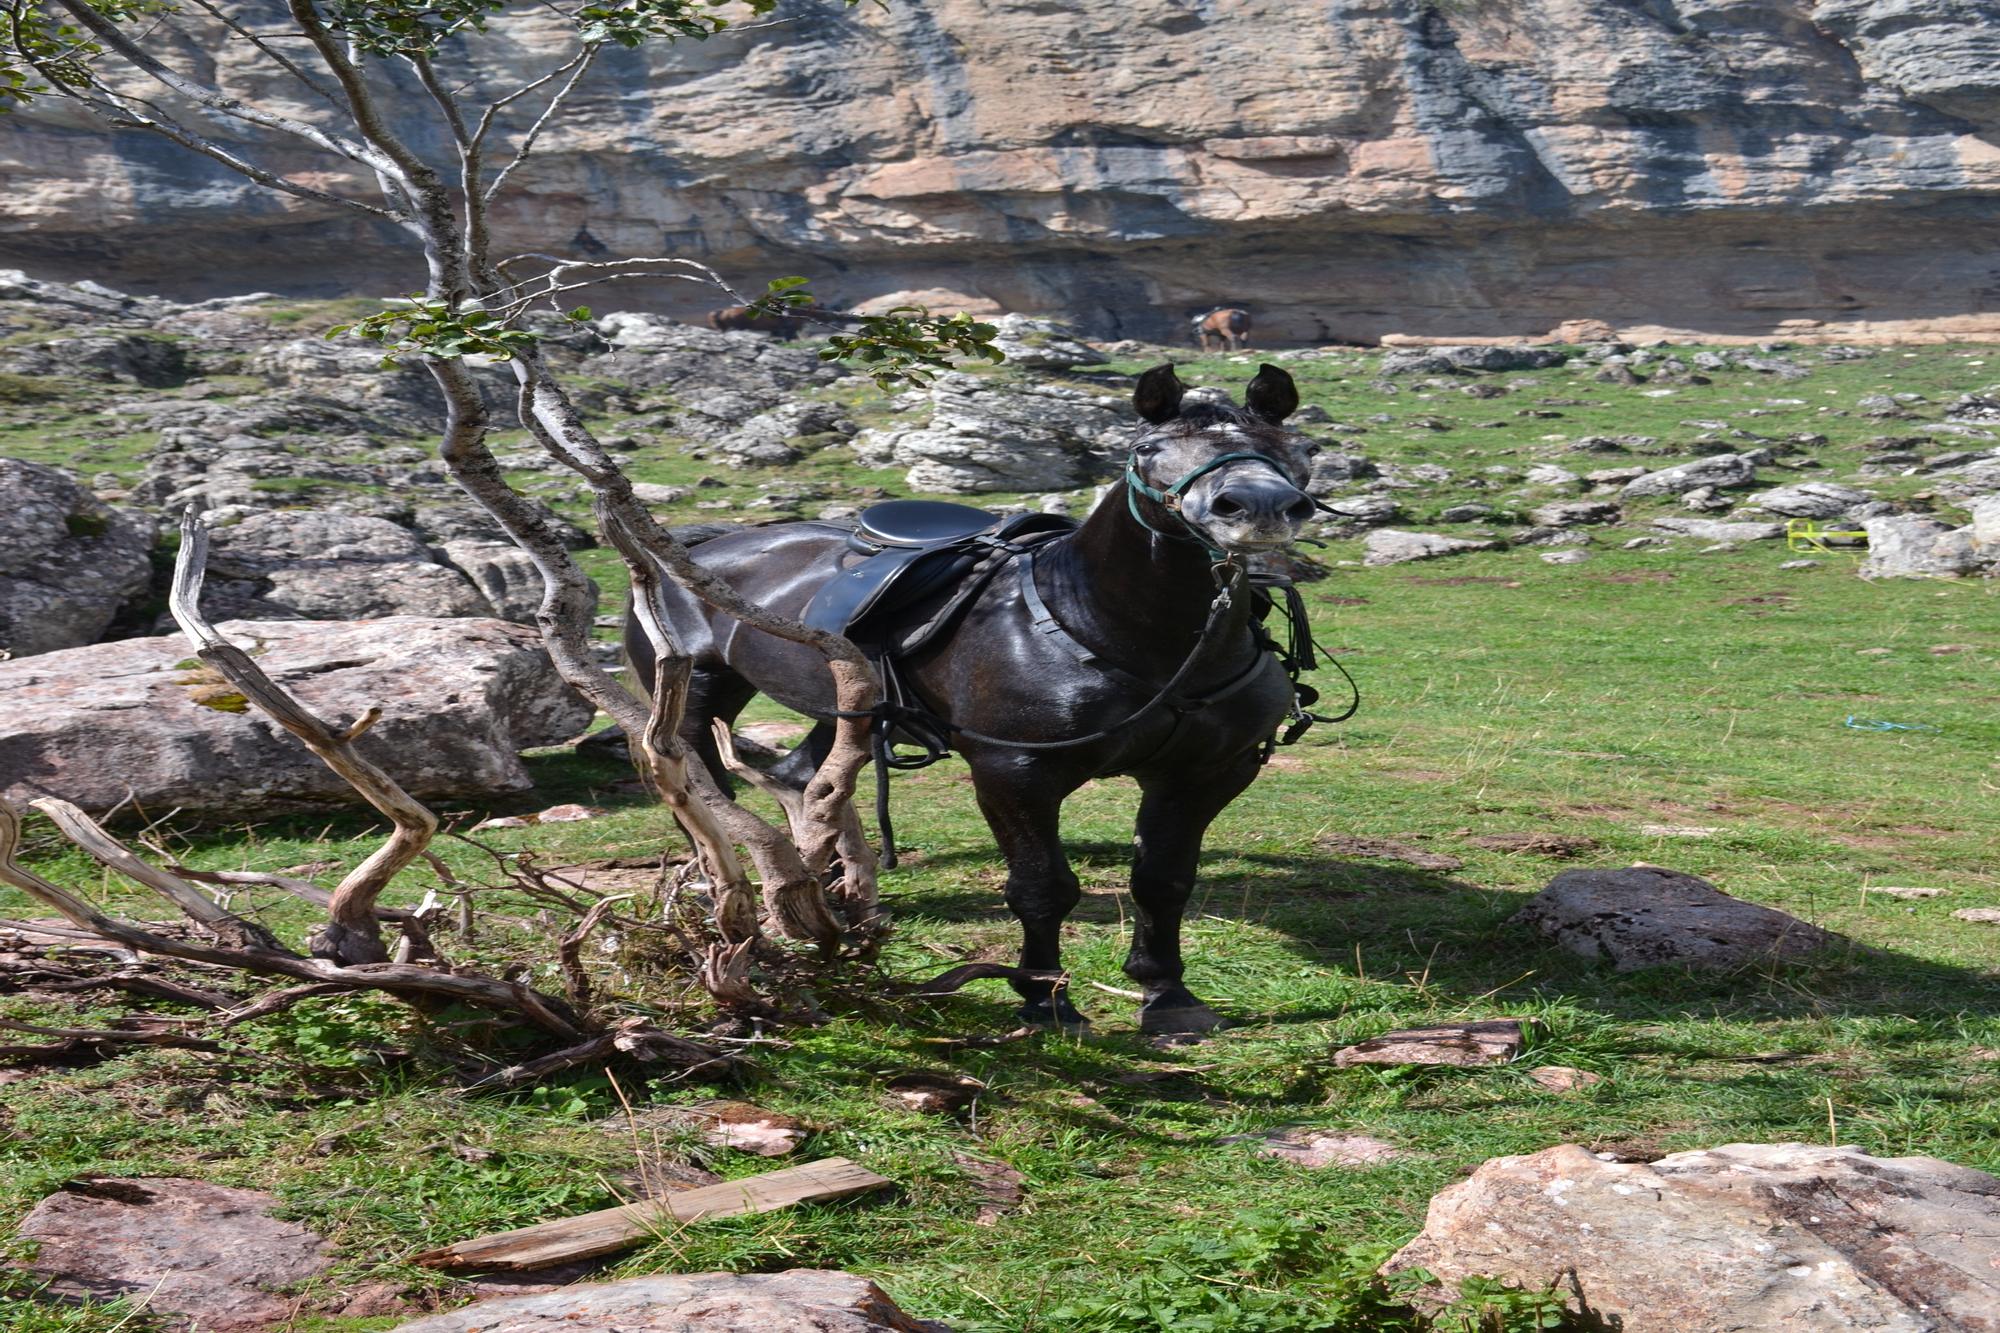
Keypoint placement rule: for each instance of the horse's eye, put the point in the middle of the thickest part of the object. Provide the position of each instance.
(1311, 450)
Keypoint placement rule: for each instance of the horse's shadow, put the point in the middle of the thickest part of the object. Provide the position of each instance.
(1453, 939)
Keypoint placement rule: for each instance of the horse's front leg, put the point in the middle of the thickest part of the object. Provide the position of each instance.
(1173, 819)
(1024, 809)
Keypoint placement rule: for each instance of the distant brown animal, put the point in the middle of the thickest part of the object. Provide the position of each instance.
(749, 319)
(1229, 326)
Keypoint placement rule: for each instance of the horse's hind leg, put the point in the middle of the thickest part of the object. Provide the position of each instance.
(1025, 814)
(1173, 819)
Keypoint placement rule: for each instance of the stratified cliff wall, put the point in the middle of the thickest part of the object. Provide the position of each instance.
(1346, 168)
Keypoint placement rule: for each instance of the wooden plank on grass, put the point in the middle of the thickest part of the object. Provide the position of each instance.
(593, 1234)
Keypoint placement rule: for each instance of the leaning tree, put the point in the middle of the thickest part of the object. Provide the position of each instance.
(365, 71)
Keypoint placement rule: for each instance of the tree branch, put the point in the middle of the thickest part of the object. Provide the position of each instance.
(350, 934)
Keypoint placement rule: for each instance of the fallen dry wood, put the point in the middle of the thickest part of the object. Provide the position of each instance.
(614, 1229)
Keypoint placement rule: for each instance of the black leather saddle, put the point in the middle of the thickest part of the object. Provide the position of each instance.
(918, 562)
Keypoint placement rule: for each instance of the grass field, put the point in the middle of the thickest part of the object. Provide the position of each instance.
(1662, 686)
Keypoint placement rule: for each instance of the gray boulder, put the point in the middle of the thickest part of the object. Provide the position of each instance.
(652, 351)
(1648, 916)
(1392, 546)
(1722, 471)
(214, 1257)
(1443, 360)
(800, 1300)
(460, 699)
(1331, 468)
(1042, 344)
(1575, 513)
(507, 578)
(1365, 510)
(1985, 525)
(1745, 1236)
(68, 561)
(991, 434)
(130, 358)
(1916, 546)
(784, 434)
(1811, 499)
(300, 565)
(1717, 530)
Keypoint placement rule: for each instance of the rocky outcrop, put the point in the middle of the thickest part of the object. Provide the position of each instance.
(800, 1300)
(1648, 916)
(1392, 546)
(1918, 546)
(1001, 435)
(203, 1256)
(285, 565)
(68, 561)
(1745, 1236)
(142, 719)
(1388, 165)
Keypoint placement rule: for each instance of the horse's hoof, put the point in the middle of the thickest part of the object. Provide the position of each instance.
(1061, 1016)
(1180, 1020)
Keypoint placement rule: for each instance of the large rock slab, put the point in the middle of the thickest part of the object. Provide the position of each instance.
(1732, 1239)
(1393, 546)
(302, 565)
(1649, 916)
(460, 699)
(203, 1255)
(1720, 530)
(1914, 546)
(993, 434)
(1042, 344)
(800, 1300)
(68, 561)
(1811, 499)
(1721, 471)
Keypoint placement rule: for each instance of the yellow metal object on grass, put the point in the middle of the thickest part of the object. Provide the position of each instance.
(1803, 534)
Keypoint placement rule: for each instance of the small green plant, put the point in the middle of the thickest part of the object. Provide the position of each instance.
(1266, 1272)
(86, 525)
(28, 389)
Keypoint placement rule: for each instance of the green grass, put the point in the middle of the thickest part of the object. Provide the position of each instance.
(1502, 694)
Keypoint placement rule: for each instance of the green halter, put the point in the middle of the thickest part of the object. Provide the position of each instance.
(1170, 498)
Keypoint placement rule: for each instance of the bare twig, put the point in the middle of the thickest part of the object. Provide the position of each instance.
(350, 934)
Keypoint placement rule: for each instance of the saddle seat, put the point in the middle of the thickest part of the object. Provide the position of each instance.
(917, 564)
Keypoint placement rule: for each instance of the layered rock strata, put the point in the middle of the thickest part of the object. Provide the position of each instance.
(1360, 168)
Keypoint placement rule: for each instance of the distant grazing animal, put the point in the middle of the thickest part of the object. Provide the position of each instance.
(1128, 644)
(1229, 326)
(749, 319)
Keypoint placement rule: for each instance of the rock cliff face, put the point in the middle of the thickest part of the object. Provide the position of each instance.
(1345, 169)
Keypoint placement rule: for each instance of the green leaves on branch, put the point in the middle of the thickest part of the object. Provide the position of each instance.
(909, 345)
(415, 27)
(405, 27)
(631, 22)
(422, 327)
(32, 43)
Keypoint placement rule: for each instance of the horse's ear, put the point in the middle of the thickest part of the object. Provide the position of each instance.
(1272, 395)
(1158, 396)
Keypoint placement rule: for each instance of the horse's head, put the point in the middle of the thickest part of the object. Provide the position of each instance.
(1234, 475)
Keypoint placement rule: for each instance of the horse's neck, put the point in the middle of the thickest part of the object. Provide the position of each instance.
(1132, 595)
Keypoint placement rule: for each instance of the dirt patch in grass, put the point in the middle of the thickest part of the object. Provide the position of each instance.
(1635, 576)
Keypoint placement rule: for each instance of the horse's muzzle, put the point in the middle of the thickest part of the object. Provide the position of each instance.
(1253, 512)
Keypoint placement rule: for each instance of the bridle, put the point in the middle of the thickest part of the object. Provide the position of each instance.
(1170, 497)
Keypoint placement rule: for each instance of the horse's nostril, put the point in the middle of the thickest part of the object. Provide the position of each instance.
(1300, 509)
(1225, 507)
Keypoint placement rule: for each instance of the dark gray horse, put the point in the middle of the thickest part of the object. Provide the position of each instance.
(1133, 632)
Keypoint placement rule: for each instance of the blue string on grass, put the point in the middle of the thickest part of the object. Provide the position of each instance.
(1870, 724)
